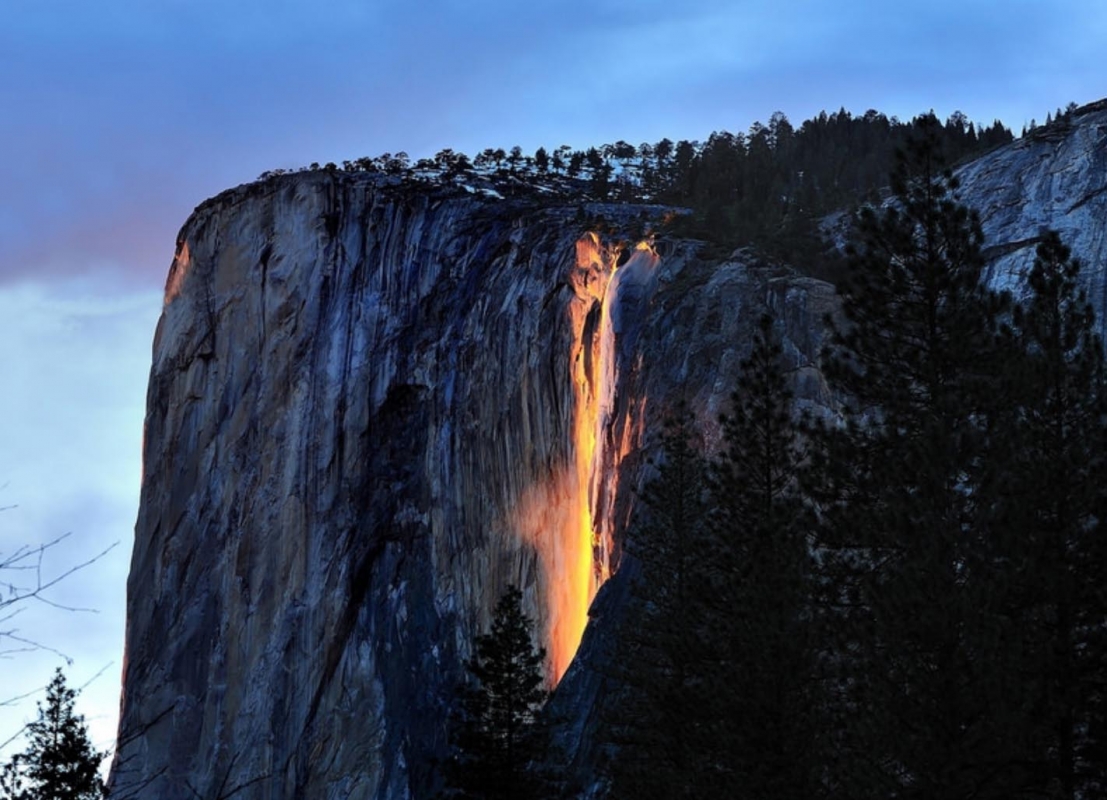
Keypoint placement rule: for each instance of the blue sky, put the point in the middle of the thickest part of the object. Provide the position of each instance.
(117, 117)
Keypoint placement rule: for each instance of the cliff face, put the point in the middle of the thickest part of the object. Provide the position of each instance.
(370, 410)
(373, 407)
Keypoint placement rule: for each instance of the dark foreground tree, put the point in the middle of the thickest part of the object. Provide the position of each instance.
(495, 736)
(662, 727)
(767, 689)
(717, 664)
(59, 762)
(899, 488)
(1050, 508)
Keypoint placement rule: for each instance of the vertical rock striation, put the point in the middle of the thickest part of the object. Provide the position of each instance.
(354, 387)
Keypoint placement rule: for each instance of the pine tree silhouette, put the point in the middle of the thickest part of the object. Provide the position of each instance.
(496, 736)
(59, 762)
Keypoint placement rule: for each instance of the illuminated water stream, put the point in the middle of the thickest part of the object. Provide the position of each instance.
(569, 519)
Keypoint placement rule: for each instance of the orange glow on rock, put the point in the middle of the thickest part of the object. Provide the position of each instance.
(177, 271)
(568, 519)
(571, 591)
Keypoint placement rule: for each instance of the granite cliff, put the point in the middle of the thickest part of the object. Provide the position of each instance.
(372, 406)
(1056, 177)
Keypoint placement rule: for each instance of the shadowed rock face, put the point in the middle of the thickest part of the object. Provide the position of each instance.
(363, 422)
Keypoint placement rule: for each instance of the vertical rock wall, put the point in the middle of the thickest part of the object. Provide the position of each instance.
(351, 387)
(365, 420)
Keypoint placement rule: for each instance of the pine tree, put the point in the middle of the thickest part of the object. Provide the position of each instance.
(1049, 513)
(665, 721)
(11, 780)
(762, 585)
(897, 487)
(59, 762)
(542, 160)
(496, 736)
(753, 480)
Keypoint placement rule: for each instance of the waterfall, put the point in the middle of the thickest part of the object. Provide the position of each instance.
(569, 519)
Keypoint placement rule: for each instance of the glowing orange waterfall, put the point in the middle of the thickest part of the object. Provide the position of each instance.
(606, 456)
(568, 519)
(594, 269)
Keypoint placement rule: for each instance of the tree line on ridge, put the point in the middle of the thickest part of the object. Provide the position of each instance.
(768, 187)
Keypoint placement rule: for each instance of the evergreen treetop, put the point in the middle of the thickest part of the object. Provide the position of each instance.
(495, 736)
(59, 762)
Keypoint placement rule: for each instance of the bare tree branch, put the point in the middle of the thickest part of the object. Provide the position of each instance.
(25, 579)
(27, 576)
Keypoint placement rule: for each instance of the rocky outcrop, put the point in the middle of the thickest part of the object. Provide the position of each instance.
(373, 406)
(1056, 177)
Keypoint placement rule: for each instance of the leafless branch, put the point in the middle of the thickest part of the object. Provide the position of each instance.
(23, 580)
(15, 735)
(223, 793)
(130, 790)
(100, 672)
